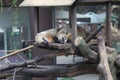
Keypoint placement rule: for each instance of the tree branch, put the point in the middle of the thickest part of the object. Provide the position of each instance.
(28, 62)
(103, 66)
(16, 52)
(93, 34)
(56, 70)
(83, 48)
(54, 46)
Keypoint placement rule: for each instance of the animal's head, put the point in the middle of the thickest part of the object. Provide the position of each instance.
(64, 38)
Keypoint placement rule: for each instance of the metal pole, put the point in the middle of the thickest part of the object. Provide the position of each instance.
(5, 44)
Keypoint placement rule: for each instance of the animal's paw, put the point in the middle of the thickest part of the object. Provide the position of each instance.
(45, 41)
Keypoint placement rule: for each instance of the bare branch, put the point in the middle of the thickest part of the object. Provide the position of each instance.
(93, 34)
(54, 46)
(103, 66)
(28, 62)
(16, 52)
(85, 50)
(56, 70)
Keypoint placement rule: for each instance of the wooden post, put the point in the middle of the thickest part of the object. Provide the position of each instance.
(108, 24)
(73, 21)
(103, 66)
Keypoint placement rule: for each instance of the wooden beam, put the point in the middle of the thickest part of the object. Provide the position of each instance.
(96, 2)
(108, 24)
(73, 21)
(33, 21)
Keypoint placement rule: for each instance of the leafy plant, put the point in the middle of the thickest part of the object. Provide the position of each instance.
(14, 3)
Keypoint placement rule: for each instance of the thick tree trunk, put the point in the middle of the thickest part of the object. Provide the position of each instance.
(54, 70)
(64, 49)
(103, 66)
(4, 67)
(112, 54)
(60, 71)
(83, 48)
(93, 56)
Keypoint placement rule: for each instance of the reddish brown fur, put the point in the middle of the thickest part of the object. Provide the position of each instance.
(49, 38)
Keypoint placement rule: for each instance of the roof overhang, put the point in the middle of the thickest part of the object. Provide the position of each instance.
(46, 3)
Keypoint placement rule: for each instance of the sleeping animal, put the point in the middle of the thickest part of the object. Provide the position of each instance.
(65, 34)
(47, 36)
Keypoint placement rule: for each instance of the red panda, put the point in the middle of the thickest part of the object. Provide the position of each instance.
(64, 35)
(46, 36)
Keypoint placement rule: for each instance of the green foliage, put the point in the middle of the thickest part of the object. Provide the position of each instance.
(14, 3)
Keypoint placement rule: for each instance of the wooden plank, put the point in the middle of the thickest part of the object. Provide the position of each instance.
(47, 3)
